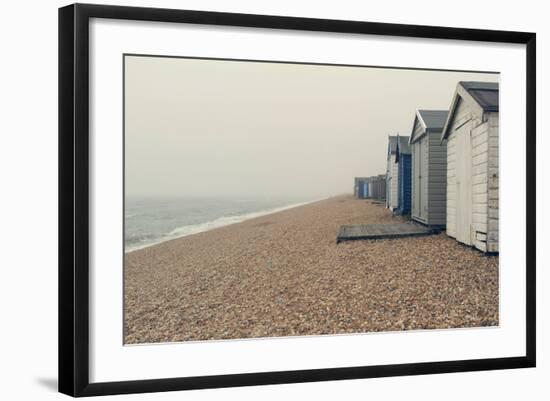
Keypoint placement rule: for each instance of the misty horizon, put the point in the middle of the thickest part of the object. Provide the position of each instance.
(242, 197)
(211, 128)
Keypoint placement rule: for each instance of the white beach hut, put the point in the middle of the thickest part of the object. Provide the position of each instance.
(392, 170)
(429, 168)
(471, 132)
(391, 174)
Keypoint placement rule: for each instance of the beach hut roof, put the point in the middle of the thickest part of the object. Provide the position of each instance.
(433, 119)
(403, 147)
(430, 121)
(484, 95)
(392, 144)
(403, 144)
(367, 179)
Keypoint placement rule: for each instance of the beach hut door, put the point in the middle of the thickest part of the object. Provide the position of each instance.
(420, 176)
(464, 185)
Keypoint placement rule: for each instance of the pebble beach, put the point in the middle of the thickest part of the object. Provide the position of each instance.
(283, 274)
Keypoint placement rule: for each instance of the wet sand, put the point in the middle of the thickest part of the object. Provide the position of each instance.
(283, 274)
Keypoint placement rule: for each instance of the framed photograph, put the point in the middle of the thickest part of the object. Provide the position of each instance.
(251, 199)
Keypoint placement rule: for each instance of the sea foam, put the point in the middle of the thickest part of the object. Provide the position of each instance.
(223, 221)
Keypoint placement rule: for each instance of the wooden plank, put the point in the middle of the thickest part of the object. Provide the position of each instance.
(381, 231)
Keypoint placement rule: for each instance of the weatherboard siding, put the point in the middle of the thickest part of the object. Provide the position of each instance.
(480, 157)
(493, 184)
(451, 185)
(437, 180)
(461, 117)
(415, 182)
(394, 168)
(429, 183)
(418, 129)
(424, 181)
(416, 197)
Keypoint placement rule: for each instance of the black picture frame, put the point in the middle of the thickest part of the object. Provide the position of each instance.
(74, 198)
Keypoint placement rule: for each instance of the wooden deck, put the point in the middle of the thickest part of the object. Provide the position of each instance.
(381, 231)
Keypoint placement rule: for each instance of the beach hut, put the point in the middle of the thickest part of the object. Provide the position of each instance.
(471, 133)
(382, 186)
(392, 171)
(429, 168)
(403, 160)
(361, 187)
(377, 187)
(356, 187)
(367, 187)
(391, 174)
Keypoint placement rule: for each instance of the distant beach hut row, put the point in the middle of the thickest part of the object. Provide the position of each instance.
(445, 174)
(370, 187)
(361, 188)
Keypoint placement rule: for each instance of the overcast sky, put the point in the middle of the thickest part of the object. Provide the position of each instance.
(213, 128)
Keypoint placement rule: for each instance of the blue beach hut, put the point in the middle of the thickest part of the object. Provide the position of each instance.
(403, 160)
(365, 188)
(361, 189)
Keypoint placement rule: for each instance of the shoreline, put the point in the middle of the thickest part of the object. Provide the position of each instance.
(253, 215)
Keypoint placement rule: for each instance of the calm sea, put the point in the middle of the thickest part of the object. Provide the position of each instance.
(150, 221)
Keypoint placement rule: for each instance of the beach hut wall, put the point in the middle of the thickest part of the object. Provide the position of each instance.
(370, 184)
(373, 186)
(471, 131)
(356, 187)
(429, 168)
(383, 189)
(378, 187)
(392, 178)
(360, 189)
(403, 160)
(404, 193)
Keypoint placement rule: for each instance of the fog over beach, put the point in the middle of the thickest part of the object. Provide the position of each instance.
(213, 128)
